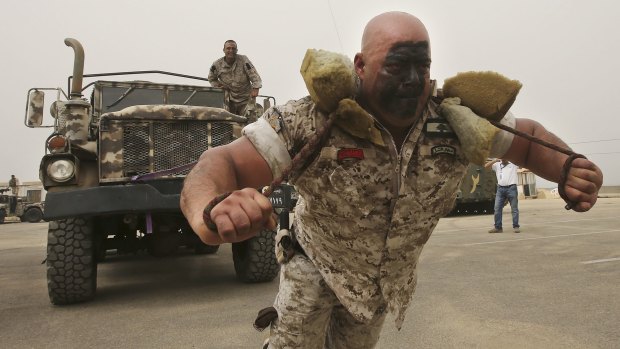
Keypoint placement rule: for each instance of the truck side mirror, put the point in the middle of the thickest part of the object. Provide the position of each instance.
(36, 103)
(34, 111)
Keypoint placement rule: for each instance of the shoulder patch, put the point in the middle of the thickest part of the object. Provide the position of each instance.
(248, 66)
(438, 127)
(443, 149)
(213, 68)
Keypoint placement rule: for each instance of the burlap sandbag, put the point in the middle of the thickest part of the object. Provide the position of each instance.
(474, 133)
(487, 93)
(329, 77)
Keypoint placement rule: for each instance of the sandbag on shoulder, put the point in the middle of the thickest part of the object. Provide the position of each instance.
(474, 133)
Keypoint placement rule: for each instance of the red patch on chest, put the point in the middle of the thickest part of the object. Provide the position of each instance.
(350, 153)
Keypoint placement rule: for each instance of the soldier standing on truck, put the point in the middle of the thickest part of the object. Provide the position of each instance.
(237, 76)
(14, 185)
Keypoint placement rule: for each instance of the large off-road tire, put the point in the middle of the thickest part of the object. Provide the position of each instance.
(255, 259)
(32, 215)
(71, 265)
(2, 215)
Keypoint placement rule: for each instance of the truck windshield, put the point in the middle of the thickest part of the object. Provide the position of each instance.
(117, 98)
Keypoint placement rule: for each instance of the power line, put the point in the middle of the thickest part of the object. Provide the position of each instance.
(329, 4)
(601, 140)
(612, 152)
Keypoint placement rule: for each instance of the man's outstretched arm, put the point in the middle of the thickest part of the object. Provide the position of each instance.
(584, 178)
(228, 168)
(490, 163)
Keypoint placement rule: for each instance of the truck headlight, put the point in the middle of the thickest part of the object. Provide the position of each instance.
(61, 170)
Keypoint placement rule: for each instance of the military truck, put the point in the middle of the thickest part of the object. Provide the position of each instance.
(476, 193)
(114, 168)
(20, 207)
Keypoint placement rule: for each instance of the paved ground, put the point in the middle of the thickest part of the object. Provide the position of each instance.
(555, 285)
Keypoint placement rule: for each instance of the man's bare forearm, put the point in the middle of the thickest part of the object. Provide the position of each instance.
(544, 162)
(490, 163)
(583, 179)
(212, 175)
(236, 167)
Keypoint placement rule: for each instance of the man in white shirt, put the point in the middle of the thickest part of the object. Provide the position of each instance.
(506, 173)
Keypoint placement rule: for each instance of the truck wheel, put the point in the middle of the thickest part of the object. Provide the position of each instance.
(2, 215)
(71, 265)
(255, 259)
(33, 215)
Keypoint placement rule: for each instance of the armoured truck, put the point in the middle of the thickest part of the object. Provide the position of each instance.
(20, 207)
(476, 193)
(114, 168)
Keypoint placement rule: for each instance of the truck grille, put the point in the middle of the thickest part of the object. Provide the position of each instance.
(150, 146)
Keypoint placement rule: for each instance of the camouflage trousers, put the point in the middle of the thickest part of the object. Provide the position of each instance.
(245, 108)
(311, 317)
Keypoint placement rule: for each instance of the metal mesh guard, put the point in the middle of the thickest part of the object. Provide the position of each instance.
(173, 144)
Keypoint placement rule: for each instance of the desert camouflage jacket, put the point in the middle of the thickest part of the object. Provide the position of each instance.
(239, 78)
(365, 211)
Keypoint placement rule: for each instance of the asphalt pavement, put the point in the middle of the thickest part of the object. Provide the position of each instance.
(554, 285)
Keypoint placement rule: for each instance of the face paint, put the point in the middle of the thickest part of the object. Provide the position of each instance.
(403, 77)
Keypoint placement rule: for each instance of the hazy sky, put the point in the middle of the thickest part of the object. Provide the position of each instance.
(565, 52)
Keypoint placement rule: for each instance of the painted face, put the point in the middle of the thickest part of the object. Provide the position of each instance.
(401, 80)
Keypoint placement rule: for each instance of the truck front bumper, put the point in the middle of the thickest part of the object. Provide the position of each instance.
(157, 196)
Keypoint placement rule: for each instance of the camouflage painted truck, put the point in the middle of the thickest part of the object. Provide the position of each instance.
(114, 169)
(20, 207)
(476, 193)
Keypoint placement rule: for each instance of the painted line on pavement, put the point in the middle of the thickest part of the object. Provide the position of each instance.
(528, 225)
(602, 260)
(542, 237)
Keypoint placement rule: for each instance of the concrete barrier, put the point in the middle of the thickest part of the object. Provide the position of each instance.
(609, 191)
(612, 191)
(548, 194)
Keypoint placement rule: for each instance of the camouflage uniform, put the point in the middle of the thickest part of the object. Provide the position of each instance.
(239, 79)
(14, 185)
(364, 213)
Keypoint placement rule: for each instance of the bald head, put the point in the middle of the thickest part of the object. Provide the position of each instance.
(387, 29)
(394, 69)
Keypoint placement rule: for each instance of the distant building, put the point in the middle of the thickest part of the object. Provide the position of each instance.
(33, 190)
(526, 183)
